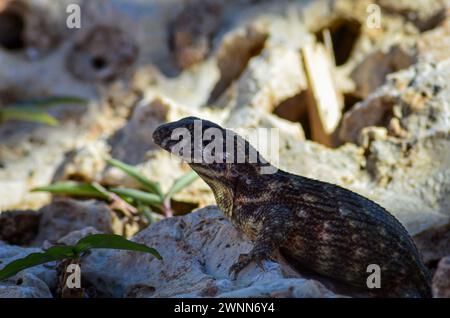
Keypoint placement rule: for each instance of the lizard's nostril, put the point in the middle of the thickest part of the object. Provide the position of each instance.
(156, 136)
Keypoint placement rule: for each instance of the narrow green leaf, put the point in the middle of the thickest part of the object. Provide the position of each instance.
(142, 196)
(55, 253)
(182, 183)
(72, 189)
(112, 241)
(65, 250)
(52, 254)
(97, 186)
(32, 114)
(51, 101)
(134, 173)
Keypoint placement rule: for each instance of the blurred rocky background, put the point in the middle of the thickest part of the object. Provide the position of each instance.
(359, 90)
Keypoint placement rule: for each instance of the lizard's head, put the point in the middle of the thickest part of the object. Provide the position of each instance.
(212, 151)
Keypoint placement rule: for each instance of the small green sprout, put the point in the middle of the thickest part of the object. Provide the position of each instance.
(128, 199)
(58, 253)
(36, 110)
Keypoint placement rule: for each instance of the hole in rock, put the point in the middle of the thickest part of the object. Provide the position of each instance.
(295, 109)
(12, 27)
(344, 34)
(99, 63)
(292, 108)
(102, 53)
(350, 100)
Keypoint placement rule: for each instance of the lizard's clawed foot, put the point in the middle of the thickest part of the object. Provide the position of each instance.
(243, 261)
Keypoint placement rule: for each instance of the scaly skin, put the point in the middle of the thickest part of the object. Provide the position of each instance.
(315, 225)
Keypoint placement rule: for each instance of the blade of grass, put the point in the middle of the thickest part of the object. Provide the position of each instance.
(97, 186)
(31, 114)
(112, 241)
(73, 189)
(138, 195)
(51, 101)
(182, 183)
(134, 173)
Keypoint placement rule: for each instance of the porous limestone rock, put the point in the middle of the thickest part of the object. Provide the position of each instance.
(197, 251)
(413, 103)
(24, 286)
(36, 276)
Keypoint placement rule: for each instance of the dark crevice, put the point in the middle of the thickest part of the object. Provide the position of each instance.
(294, 109)
(344, 34)
(12, 27)
(350, 99)
(304, 121)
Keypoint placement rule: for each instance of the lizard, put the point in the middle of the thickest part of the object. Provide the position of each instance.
(314, 225)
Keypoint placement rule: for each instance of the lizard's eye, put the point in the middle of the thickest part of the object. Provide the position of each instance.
(233, 172)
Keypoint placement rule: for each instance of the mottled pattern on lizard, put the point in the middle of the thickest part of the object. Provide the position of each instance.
(314, 225)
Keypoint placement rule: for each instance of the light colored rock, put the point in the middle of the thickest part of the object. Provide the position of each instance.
(197, 251)
(434, 45)
(286, 288)
(270, 78)
(413, 103)
(101, 52)
(235, 51)
(371, 72)
(87, 163)
(425, 15)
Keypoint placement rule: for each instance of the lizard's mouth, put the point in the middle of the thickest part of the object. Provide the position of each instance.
(162, 136)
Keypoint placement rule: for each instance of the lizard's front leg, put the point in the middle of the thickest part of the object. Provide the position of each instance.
(277, 224)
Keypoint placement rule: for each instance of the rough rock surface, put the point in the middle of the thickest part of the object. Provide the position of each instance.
(24, 286)
(19, 227)
(434, 243)
(413, 103)
(66, 215)
(197, 251)
(37, 276)
(441, 279)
